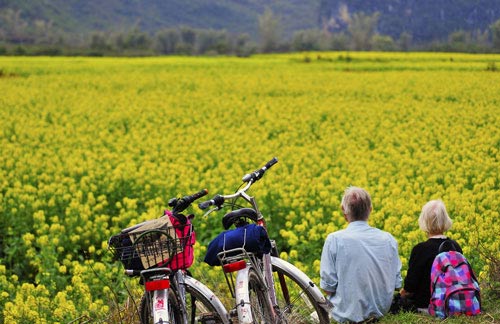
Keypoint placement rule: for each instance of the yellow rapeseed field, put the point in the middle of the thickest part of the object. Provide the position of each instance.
(92, 145)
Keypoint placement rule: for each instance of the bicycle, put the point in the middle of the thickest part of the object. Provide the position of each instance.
(266, 288)
(160, 251)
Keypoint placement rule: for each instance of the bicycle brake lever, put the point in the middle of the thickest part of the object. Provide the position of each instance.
(216, 208)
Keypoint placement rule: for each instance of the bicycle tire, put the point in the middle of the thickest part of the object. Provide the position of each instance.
(146, 316)
(207, 307)
(303, 305)
(261, 308)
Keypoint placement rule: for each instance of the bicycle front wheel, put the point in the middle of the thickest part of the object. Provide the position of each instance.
(299, 300)
(146, 308)
(262, 310)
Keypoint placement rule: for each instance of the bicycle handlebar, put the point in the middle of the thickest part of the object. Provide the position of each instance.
(179, 205)
(217, 200)
(249, 178)
(257, 174)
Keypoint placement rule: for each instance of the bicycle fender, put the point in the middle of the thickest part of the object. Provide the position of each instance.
(209, 295)
(160, 306)
(242, 297)
(303, 278)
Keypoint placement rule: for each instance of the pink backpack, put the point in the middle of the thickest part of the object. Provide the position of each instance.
(454, 287)
(187, 237)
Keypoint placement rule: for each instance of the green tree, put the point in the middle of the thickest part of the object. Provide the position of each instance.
(383, 43)
(481, 38)
(134, 40)
(188, 41)
(166, 41)
(307, 40)
(15, 26)
(362, 28)
(212, 41)
(404, 41)
(243, 46)
(495, 35)
(269, 31)
(137, 40)
(99, 42)
(338, 42)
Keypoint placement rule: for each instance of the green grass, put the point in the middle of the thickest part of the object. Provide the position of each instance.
(490, 314)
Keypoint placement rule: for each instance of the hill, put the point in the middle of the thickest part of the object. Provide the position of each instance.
(235, 16)
(424, 20)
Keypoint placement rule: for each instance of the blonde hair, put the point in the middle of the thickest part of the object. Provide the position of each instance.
(434, 219)
(356, 203)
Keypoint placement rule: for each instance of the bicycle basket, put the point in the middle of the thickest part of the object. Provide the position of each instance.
(143, 247)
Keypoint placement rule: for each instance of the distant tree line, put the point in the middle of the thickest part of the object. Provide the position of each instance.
(38, 37)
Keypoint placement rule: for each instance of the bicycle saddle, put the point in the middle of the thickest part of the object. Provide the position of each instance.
(238, 216)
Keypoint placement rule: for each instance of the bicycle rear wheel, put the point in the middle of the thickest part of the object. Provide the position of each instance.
(145, 310)
(300, 306)
(262, 310)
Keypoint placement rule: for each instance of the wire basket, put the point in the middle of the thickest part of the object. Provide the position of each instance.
(139, 250)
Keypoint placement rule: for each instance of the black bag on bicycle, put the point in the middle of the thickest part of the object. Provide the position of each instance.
(251, 237)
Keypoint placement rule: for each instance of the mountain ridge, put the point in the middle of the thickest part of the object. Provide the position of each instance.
(425, 20)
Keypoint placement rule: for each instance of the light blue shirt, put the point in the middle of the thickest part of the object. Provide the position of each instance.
(360, 266)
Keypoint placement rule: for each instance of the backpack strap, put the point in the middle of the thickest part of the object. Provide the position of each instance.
(447, 245)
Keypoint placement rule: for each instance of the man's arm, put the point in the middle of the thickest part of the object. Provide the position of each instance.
(397, 265)
(328, 269)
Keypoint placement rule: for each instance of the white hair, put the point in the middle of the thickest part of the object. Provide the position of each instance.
(434, 219)
(356, 203)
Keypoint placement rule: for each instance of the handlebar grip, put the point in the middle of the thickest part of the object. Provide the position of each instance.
(199, 194)
(218, 200)
(269, 164)
(184, 202)
(256, 175)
